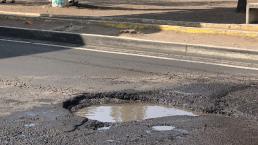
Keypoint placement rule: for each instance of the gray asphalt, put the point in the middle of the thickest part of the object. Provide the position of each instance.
(60, 71)
(43, 77)
(38, 56)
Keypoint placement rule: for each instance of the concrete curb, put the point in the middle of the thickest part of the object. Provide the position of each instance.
(20, 14)
(240, 27)
(239, 30)
(87, 40)
(41, 35)
(182, 29)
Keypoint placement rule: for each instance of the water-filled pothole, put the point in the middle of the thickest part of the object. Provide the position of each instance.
(129, 112)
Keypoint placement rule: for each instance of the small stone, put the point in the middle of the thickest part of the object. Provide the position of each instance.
(28, 23)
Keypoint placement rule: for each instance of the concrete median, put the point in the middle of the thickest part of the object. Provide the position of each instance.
(238, 30)
(131, 45)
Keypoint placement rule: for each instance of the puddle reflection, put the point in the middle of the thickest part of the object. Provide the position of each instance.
(129, 112)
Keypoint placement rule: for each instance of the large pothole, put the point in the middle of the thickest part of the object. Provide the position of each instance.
(131, 105)
(126, 106)
(129, 112)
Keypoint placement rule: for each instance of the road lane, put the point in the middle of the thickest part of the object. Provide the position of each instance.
(114, 60)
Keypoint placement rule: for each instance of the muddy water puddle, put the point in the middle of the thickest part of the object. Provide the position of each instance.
(129, 112)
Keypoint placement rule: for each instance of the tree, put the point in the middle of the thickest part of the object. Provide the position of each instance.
(241, 5)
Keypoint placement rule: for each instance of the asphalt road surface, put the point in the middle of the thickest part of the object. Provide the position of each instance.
(43, 77)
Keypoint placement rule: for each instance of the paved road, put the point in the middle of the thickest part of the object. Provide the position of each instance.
(36, 75)
(37, 56)
(66, 71)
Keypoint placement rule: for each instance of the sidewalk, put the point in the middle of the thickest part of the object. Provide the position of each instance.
(221, 12)
(223, 28)
(147, 34)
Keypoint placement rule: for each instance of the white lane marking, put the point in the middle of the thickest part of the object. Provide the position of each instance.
(132, 54)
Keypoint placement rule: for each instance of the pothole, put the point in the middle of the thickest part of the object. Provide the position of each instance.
(126, 112)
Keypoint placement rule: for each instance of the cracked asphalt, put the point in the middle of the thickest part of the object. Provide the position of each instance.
(41, 87)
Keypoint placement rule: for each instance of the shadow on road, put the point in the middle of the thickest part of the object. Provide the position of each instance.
(191, 11)
(113, 3)
(212, 15)
(90, 6)
(13, 48)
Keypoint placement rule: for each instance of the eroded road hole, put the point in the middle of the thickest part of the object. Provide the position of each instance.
(126, 112)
